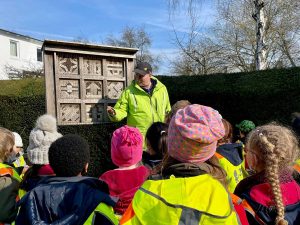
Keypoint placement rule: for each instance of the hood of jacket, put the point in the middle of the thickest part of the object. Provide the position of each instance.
(233, 152)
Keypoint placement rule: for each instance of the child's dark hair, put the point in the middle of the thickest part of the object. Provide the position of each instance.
(296, 123)
(157, 137)
(32, 173)
(68, 155)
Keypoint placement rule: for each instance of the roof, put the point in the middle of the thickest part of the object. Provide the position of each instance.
(87, 48)
(28, 38)
(71, 44)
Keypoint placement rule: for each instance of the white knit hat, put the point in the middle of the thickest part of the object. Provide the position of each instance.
(18, 140)
(40, 139)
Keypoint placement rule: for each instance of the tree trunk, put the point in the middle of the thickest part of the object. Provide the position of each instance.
(260, 52)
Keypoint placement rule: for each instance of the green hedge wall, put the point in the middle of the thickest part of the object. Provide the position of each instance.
(263, 96)
(259, 96)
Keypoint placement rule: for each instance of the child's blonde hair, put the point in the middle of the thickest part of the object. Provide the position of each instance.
(7, 142)
(277, 149)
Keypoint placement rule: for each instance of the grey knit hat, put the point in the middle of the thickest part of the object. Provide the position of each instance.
(40, 139)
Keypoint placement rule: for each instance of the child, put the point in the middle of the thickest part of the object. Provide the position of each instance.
(156, 138)
(272, 193)
(40, 139)
(68, 198)
(191, 190)
(18, 161)
(178, 105)
(9, 179)
(244, 129)
(230, 157)
(126, 153)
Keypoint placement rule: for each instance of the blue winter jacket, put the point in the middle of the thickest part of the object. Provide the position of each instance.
(63, 200)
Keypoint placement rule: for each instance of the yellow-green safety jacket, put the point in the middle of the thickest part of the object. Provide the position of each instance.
(230, 157)
(189, 201)
(234, 173)
(8, 170)
(141, 108)
(106, 213)
(9, 184)
(20, 162)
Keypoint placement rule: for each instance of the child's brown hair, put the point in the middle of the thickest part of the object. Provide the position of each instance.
(228, 133)
(7, 142)
(277, 148)
(178, 105)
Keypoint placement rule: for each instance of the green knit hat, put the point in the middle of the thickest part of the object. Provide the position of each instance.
(245, 126)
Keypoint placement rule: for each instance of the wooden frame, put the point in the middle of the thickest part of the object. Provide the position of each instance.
(83, 79)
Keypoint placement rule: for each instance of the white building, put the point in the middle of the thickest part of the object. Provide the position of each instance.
(19, 53)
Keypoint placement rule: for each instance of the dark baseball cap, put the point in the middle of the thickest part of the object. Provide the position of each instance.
(143, 68)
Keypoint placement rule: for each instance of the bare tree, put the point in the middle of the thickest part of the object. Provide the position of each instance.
(260, 50)
(272, 40)
(136, 37)
(29, 72)
(199, 58)
(250, 34)
(82, 39)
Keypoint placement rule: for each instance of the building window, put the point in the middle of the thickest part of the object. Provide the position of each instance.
(14, 48)
(39, 55)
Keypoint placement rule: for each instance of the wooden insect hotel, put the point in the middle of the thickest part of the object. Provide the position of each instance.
(83, 79)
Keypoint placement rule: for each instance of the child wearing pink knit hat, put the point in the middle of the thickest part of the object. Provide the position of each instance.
(126, 153)
(192, 188)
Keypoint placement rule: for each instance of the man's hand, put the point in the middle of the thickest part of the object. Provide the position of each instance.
(110, 110)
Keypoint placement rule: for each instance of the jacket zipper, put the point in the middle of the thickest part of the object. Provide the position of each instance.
(151, 106)
(135, 102)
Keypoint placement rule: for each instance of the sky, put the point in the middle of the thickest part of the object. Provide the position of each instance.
(95, 20)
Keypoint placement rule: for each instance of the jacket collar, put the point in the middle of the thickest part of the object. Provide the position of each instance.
(184, 170)
(158, 85)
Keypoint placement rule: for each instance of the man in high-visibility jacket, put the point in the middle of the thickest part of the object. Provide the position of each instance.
(143, 102)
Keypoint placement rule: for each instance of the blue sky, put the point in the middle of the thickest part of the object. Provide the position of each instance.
(96, 19)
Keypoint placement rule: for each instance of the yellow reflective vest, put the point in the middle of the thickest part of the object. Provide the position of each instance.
(9, 171)
(235, 173)
(298, 162)
(193, 200)
(140, 108)
(105, 213)
(20, 162)
(8, 193)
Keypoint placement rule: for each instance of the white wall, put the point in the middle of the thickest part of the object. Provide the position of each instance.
(27, 53)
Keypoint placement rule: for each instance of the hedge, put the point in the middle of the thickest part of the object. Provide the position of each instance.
(259, 96)
(263, 96)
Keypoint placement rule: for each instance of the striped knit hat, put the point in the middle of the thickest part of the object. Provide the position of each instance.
(193, 133)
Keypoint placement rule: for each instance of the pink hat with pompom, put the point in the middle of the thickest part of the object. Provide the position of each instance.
(193, 133)
(126, 146)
